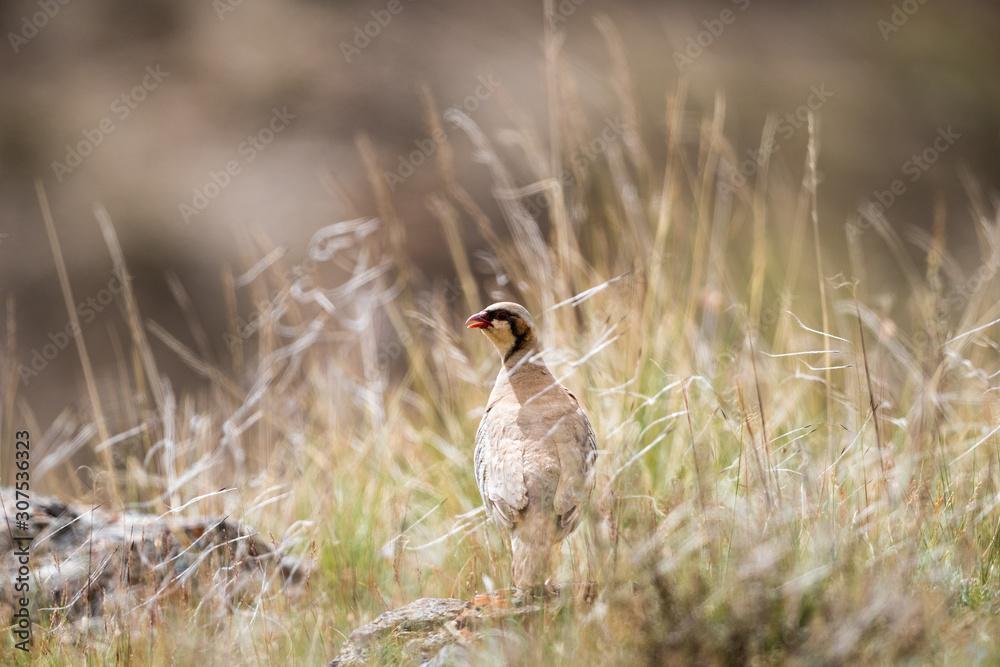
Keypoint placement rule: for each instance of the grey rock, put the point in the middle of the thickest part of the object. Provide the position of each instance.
(432, 632)
(81, 556)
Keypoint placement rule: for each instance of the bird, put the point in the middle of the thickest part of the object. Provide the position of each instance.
(535, 448)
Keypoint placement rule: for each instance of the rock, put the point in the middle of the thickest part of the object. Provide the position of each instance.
(430, 631)
(418, 631)
(82, 556)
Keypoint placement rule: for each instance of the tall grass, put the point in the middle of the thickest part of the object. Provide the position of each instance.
(790, 469)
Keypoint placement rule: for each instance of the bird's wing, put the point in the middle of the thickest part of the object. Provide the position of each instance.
(577, 450)
(499, 467)
(589, 440)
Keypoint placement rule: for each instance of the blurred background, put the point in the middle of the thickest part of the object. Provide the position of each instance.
(194, 121)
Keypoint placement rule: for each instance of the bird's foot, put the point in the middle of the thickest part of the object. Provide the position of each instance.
(577, 591)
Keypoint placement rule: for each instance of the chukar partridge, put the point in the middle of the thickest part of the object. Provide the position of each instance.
(535, 449)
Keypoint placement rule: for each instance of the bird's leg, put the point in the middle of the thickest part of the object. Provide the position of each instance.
(529, 595)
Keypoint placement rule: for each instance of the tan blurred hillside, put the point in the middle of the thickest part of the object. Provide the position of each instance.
(191, 120)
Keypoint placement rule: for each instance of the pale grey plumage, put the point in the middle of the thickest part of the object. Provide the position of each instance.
(535, 448)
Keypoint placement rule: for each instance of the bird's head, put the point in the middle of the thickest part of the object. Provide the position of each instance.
(508, 326)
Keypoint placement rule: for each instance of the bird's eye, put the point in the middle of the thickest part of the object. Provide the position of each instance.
(502, 315)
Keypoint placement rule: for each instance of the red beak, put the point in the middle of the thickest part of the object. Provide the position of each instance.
(478, 321)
